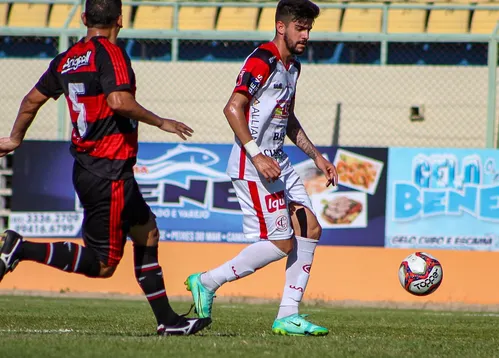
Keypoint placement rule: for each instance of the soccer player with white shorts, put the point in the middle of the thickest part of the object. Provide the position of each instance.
(277, 211)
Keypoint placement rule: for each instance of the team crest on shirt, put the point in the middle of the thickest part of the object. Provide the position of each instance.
(247, 79)
(240, 77)
(75, 62)
(281, 223)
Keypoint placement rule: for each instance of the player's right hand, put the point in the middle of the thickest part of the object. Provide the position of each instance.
(7, 145)
(179, 128)
(267, 166)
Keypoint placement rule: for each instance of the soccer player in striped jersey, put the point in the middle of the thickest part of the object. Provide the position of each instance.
(96, 77)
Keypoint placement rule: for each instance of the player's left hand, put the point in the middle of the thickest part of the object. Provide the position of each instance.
(7, 145)
(328, 169)
(179, 128)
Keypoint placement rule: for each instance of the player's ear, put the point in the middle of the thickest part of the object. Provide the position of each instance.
(280, 27)
(119, 22)
(84, 18)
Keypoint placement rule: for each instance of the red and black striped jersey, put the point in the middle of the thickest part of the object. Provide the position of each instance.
(103, 142)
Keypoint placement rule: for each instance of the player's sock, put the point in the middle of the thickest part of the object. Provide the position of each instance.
(66, 256)
(250, 259)
(150, 278)
(297, 274)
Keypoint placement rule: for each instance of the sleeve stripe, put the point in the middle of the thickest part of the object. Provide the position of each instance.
(119, 64)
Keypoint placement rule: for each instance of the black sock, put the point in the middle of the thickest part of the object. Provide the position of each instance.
(150, 278)
(66, 256)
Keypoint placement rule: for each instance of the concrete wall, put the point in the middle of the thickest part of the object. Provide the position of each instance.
(375, 101)
(351, 274)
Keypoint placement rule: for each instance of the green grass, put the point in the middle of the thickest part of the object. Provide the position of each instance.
(29, 327)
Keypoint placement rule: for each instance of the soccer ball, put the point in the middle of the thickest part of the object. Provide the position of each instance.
(420, 274)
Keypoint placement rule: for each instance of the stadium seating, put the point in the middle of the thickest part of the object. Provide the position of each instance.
(60, 13)
(233, 18)
(237, 18)
(3, 13)
(267, 19)
(448, 21)
(150, 17)
(406, 20)
(328, 21)
(208, 17)
(126, 13)
(28, 15)
(484, 21)
(197, 17)
(362, 20)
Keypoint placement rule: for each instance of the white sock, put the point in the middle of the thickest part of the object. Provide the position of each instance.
(251, 258)
(297, 274)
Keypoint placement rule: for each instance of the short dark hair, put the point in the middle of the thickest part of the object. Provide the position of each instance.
(102, 13)
(294, 10)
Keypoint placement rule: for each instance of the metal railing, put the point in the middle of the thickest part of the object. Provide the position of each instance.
(175, 35)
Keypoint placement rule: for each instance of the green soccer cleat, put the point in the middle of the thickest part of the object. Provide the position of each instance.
(203, 298)
(297, 325)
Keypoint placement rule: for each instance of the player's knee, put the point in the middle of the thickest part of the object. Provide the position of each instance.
(314, 232)
(153, 237)
(106, 271)
(147, 234)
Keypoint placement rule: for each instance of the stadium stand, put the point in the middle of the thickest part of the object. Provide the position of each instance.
(4, 8)
(197, 18)
(483, 21)
(406, 20)
(208, 17)
(150, 17)
(361, 20)
(237, 18)
(60, 13)
(28, 15)
(448, 21)
(266, 20)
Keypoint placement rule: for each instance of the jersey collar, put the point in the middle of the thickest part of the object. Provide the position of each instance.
(270, 46)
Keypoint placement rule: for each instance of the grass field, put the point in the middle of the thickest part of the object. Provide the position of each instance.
(69, 327)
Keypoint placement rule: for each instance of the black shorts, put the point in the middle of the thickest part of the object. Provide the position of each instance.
(111, 208)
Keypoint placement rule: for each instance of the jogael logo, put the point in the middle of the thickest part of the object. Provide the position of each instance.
(73, 63)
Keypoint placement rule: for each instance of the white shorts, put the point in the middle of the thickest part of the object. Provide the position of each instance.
(265, 205)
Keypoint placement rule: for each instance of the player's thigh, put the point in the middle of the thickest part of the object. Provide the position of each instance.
(264, 208)
(103, 201)
(304, 222)
(303, 218)
(139, 218)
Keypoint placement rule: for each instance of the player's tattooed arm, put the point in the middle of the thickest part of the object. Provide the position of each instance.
(298, 136)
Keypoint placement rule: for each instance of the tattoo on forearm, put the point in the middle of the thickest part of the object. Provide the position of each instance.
(305, 144)
(297, 135)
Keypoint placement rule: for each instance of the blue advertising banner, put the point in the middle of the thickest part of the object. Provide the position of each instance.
(192, 197)
(443, 198)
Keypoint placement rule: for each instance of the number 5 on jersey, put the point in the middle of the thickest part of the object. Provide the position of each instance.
(76, 89)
